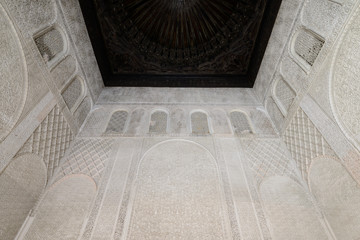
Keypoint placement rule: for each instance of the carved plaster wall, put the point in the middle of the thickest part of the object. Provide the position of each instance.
(323, 118)
(41, 109)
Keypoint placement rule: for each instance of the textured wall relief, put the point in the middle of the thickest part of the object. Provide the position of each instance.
(193, 209)
(50, 140)
(31, 16)
(158, 122)
(137, 120)
(268, 157)
(64, 71)
(275, 113)
(199, 123)
(178, 121)
(117, 122)
(321, 15)
(21, 184)
(51, 44)
(74, 93)
(88, 156)
(290, 210)
(240, 122)
(284, 94)
(305, 142)
(13, 76)
(220, 122)
(307, 46)
(338, 195)
(262, 123)
(345, 85)
(62, 211)
(82, 111)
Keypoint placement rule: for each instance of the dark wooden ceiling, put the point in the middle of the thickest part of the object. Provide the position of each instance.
(179, 43)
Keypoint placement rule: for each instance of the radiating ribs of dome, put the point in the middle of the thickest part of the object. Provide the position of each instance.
(180, 36)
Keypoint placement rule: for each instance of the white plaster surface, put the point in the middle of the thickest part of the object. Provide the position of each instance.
(63, 209)
(21, 184)
(290, 211)
(178, 195)
(154, 177)
(338, 195)
(13, 87)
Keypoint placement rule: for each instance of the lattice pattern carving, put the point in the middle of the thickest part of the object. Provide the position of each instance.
(240, 122)
(276, 115)
(262, 123)
(284, 93)
(199, 123)
(82, 111)
(305, 142)
(268, 157)
(50, 140)
(117, 122)
(158, 123)
(308, 46)
(73, 93)
(50, 44)
(88, 156)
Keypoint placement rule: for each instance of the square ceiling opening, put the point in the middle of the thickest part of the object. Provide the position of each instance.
(179, 43)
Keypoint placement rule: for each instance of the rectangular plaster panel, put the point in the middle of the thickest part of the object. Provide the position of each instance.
(280, 36)
(178, 95)
(75, 25)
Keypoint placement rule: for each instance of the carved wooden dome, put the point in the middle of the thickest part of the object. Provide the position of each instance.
(179, 37)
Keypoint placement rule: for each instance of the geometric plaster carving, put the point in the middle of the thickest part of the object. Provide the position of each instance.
(305, 142)
(199, 123)
(262, 123)
(290, 211)
(88, 156)
(73, 94)
(51, 44)
(21, 184)
(158, 122)
(306, 47)
(345, 84)
(321, 15)
(13, 76)
(268, 157)
(338, 195)
(31, 16)
(240, 122)
(50, 140)
(117, 122)
(275, 113)
(62, 211)
(82, 111)
(63, 71)
(178, 194)
(284, 94)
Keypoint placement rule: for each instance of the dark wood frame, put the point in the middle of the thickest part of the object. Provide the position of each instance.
(151, 80)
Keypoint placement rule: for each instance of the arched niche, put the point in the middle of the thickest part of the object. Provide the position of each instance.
(52, 44)
(117, 122)
(74, 93)
(178, 193)
(158, 122)
(63, 209)
(199, 123)
(240, 122)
